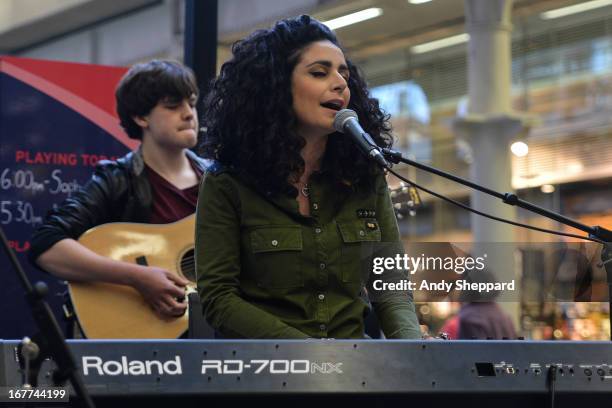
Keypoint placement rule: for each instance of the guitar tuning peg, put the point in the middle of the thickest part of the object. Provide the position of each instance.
(412, 213)
(397, 206)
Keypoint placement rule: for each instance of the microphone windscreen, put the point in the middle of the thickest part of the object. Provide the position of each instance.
(342, 117)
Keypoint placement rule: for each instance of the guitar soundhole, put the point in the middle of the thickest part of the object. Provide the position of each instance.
(188, 265)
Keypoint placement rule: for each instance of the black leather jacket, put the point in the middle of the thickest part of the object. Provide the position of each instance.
(118, 191)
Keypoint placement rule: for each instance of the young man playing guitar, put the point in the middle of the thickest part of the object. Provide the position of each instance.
(156, 184)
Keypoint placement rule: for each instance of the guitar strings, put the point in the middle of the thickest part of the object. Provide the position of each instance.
(188, 263)
(187, 266)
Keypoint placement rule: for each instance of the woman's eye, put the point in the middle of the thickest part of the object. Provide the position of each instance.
(318, 74)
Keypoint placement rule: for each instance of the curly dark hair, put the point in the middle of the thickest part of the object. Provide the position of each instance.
(249, 120)
(146, 84)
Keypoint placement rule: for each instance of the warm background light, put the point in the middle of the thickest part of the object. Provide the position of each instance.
(519, 149)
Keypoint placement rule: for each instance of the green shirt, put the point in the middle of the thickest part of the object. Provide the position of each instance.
(266, 271)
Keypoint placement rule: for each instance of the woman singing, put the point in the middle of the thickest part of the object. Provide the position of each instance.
(286, 211)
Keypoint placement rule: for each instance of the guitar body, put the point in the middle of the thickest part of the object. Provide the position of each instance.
(108, 311)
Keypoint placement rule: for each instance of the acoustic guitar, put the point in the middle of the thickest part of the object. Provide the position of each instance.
(109, 311)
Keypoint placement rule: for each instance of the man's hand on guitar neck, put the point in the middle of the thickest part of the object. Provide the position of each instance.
(162, 290)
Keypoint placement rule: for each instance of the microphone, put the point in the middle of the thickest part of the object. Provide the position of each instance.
(346, 122)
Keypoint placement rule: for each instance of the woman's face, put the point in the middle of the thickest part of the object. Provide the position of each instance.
(319, 86)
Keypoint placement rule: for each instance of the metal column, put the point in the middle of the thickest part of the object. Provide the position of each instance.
(491, 125)
(201, 36)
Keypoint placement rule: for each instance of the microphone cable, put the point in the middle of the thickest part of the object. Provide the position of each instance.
(551, 381)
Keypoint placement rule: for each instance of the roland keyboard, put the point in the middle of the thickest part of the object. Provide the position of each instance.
(360, 371)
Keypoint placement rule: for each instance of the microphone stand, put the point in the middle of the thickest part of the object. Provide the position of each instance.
(597, 233)
(51, 341)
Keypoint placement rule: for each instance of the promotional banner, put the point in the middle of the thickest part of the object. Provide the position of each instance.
(57, 120)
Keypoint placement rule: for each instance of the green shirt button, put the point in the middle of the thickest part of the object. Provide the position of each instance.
(322, 327)
(361, 233)
(322, 265)
(321, 296)
(318, 230)
(274, 242)
(315, 206)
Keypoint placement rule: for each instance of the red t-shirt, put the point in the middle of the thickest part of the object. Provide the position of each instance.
(171, 204)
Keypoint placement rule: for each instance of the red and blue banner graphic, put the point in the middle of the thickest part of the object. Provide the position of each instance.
(57, 120)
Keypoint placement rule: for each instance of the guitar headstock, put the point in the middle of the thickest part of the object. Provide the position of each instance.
(406, 200)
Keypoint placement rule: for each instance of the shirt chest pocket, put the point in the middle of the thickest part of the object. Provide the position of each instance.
(358, 244)
(276, 256)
